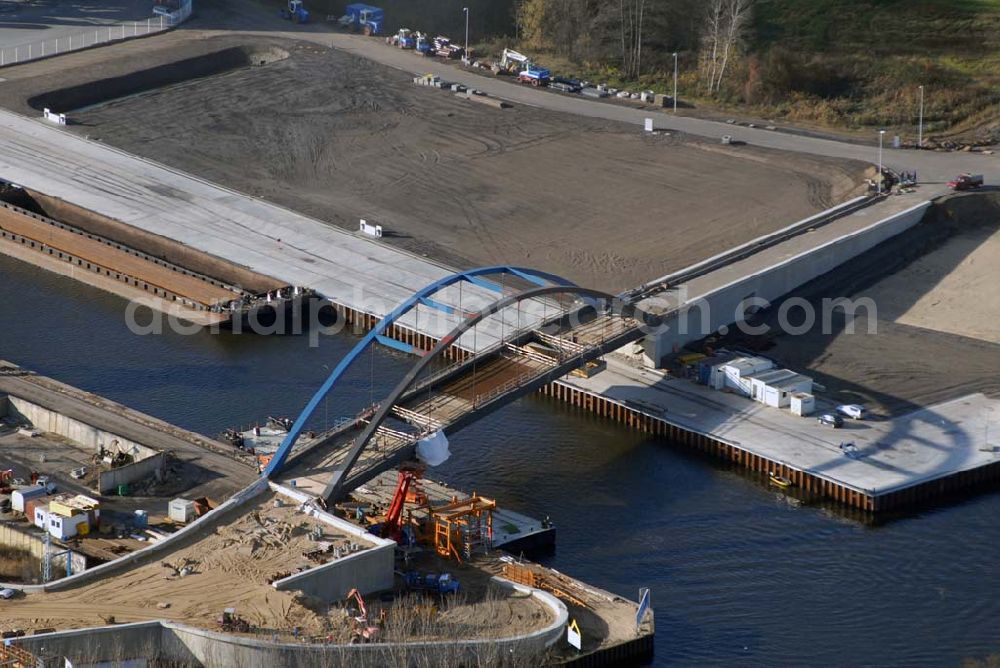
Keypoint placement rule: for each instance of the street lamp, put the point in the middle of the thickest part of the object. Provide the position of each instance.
(881, 135)
(466, 55)
(920, 123)
(675, 82)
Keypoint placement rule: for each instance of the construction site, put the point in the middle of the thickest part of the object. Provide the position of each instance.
(504, 241)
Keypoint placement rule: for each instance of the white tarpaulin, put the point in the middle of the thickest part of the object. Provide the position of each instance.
(433, 450)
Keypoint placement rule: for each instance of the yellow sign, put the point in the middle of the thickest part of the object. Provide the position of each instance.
(573, 636)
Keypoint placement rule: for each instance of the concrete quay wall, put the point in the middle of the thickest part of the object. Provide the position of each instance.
(54, 422)
(705, 314)
(170, 642)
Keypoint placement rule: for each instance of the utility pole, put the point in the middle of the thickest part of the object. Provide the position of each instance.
(675, 82)
(881, 135)
(466, 55)
(920, 123)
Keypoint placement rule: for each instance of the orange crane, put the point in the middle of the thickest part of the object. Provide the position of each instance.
(392, 526)
(364, 631)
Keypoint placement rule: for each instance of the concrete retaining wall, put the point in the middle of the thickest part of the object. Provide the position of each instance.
(79, 432)
(171, 642)
(33, 542)
(694, 322)
(108, 481)
(369, 570)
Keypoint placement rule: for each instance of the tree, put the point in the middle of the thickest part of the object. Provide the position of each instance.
(737, 17)
(723, 33)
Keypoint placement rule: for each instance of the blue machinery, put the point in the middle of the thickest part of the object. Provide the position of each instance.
(549, 285)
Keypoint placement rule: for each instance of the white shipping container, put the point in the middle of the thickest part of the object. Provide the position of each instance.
(803, 404)
(41, 518)
(181, 510)
(62, 527)
(19, 496)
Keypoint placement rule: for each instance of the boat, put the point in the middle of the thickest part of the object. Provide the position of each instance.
(779, 480)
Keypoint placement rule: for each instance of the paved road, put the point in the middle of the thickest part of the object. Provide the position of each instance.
(23, 22)
(930, 166)
(220, 474)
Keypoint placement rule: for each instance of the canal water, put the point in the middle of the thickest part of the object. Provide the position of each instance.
(739, 575)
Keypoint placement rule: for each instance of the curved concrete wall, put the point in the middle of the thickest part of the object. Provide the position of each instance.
(168, 641)
(154, 550)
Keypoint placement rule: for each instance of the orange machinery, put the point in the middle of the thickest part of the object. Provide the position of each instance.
(463, 527)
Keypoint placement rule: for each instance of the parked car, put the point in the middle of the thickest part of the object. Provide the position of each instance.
(852, 411)
(831, 419)
(566, 85)
(8, 594)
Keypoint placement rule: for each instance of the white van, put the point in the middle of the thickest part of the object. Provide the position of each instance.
(852, 411)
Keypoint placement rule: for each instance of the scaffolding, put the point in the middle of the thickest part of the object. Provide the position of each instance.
(463, 528)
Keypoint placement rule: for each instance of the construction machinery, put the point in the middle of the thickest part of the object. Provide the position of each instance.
(231, 622)
(966, 182)
(295, 12)
(513, 62)
(405, 39)
(364, 630)
(444, 48)
(406, 491)
(422, 44)
(462, 528)
(527, 72)
(364, 18)
(435, 583)
(536, 76)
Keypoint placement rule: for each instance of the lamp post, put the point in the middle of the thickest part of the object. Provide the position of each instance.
(675, 82)
(920, 123)
(465, 56)
(881, 135)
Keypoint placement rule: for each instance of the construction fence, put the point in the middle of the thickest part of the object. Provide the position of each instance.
(89, 38)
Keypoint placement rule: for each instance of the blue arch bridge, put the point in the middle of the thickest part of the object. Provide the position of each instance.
(532, 329)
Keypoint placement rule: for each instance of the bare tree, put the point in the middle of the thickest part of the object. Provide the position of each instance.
(631, 15)
(711, 42)
(737, 19)
(725, 27)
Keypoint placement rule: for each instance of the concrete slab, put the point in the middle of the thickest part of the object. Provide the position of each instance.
(891, 454)
(353, 270)
(23, 22)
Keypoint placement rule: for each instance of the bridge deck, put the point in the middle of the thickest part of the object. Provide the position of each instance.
(457, 397)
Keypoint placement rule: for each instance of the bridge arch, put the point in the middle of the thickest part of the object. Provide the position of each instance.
(599, 301)
(423, 296)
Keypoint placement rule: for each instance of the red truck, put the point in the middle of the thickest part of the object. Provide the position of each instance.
(966, 182)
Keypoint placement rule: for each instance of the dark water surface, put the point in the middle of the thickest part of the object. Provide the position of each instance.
(738, 574)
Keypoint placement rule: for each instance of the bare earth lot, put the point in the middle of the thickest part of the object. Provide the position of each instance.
(937, 315)
(341, 138)
(232, 564)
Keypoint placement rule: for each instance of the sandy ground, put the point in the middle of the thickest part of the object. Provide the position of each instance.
(232, 564)
(936, 333)
(969, 287)
(342, 138)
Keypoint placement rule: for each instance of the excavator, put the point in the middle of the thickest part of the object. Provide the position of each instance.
(364, 631)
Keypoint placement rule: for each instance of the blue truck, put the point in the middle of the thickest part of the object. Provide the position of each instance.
(295, 12)
(435, 583)
(363, 18)
(536, 76)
